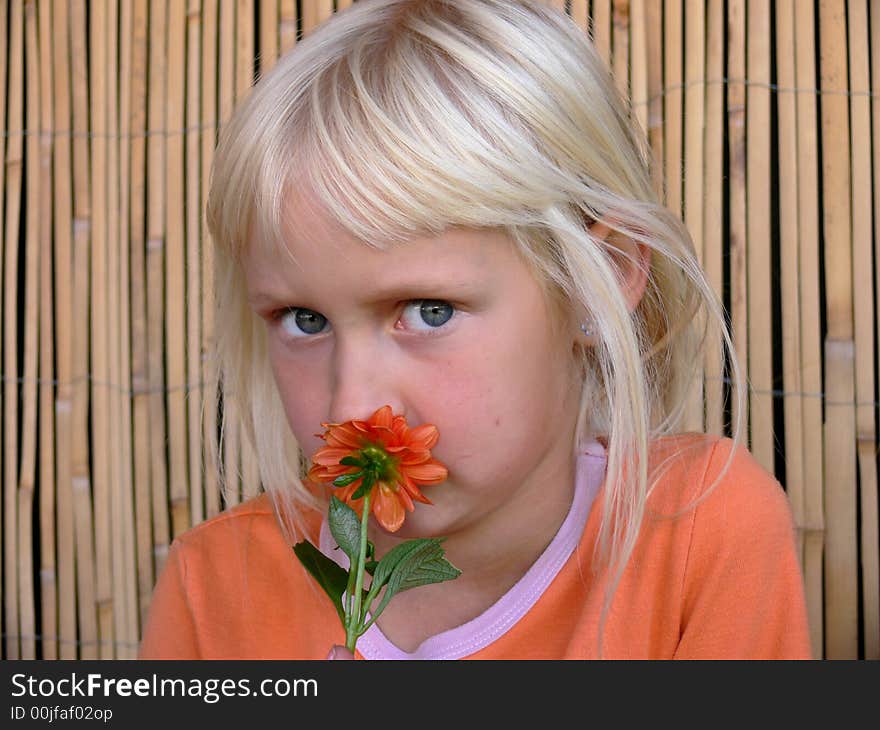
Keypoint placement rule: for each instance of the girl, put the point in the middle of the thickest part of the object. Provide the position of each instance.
(442, 206)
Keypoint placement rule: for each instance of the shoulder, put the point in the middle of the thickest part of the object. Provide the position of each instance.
(714, 474)
(729, 503)
(256, 512)
(251, 526)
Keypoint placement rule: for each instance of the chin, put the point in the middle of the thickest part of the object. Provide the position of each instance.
(417, 524)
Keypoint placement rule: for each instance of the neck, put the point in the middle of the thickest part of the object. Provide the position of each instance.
(496, 550)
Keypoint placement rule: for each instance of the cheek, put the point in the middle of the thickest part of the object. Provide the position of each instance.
(515, 384)
(473, 397)
(300, 392)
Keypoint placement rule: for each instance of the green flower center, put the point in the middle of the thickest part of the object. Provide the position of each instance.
(380, 463)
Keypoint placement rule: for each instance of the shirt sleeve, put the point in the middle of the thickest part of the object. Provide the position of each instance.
(742, 593)
(170, 630)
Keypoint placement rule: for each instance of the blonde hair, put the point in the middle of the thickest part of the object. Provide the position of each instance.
(406, 117)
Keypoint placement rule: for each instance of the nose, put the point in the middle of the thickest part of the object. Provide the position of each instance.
(364, 378)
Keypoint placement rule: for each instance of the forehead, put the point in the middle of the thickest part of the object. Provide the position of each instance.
(317, 256)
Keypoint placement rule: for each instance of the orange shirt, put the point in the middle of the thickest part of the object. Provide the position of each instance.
(720, 581)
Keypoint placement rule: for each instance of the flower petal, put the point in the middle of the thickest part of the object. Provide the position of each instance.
(410, 488)
(345, 436)
(384, 436)
(431, 473)
(425, 436)
(405, 498)
(400, 428)
(382, 417)
(415, 457)
(330, 456)
(387, 508)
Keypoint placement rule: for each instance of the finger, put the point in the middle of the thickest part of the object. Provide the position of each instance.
(339, 653)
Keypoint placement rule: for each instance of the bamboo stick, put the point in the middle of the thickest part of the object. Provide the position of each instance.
(288, 24)
(175, 277)
(125, 564)
(3, 243)
(63, 197)
(244, 48)
(100, 336)
(244, 82)
(620, 46)
(694, 122)
(31, 321)
(713, 200)
(654, 41)
(789, 242)
(580, 13)
(738, 247)
(86, 249)
(80, 475)
(13, 169)
(226, 86)
(314, 13)
(869, 652)
(863, 299)
(47, 486)
(841, 600)
(758, 223)
(672, 69)
(193, 262)
(138, 298)
(268, 35)
(811, 347)
(639, 66)
(209, 392)
(694, 119)
(226, 66)
(601, 29)
(100, 328)
(111, 597)
(154, 269)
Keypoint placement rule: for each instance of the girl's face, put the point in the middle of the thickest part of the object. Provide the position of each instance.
(453, 331)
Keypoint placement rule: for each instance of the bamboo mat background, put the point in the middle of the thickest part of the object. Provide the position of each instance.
(761, 118)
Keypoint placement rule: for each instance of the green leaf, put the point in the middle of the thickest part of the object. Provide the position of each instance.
(371, 563)
(346, 528)
(332, 578)
(351, 461)
(394, 556)
(347, 479)
(409, 565)
(365, 486)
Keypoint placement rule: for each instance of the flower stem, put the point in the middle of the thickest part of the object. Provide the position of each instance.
(353, 630)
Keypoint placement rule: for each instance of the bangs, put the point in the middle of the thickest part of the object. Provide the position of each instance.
(396, 138)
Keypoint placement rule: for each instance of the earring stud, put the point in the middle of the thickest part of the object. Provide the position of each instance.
(586, 331)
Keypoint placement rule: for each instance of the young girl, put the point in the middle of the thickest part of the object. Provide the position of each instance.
(441, 206)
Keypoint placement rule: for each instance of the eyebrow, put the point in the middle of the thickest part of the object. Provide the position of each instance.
(396, 290)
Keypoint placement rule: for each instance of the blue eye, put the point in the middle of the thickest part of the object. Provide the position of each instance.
(306, 321)
(432, 312)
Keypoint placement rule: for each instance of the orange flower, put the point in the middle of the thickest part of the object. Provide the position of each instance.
(392, 458)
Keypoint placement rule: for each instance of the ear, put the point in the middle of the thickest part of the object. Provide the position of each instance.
(633, 262)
